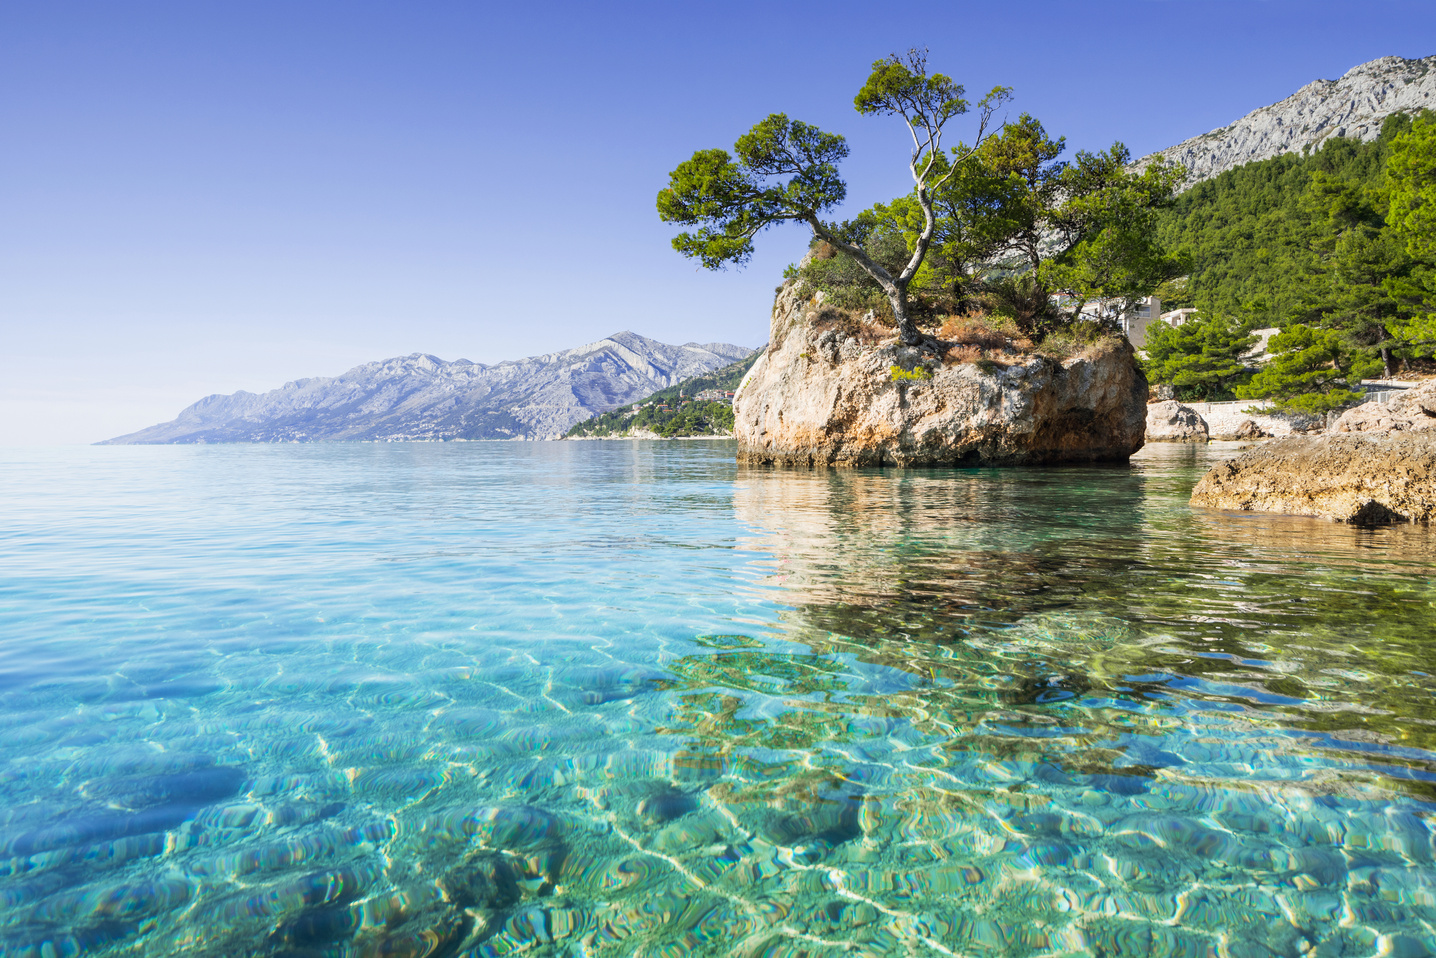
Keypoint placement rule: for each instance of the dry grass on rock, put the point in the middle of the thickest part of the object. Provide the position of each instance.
(972, 337)
(868, 331)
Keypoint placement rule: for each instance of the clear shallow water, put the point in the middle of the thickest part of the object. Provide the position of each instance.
(628, 698)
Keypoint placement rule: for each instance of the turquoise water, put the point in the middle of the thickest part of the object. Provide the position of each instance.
(590, 699)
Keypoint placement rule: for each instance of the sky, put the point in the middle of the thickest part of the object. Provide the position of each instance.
(201, 197)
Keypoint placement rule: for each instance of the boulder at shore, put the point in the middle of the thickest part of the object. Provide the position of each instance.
(1361, 479)
(1412, 411)
(820, 397)
(1170, 421)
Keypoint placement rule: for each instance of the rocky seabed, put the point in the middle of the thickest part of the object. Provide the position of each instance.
(515, 825)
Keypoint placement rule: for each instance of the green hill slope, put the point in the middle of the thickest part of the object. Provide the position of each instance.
(1302, 243)
(673, 412)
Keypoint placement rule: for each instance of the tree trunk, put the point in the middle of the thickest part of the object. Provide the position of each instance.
(907, 329)
(894, 287)
(1386, 362)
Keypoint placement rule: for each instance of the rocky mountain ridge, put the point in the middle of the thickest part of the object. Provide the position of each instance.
(422, 397)
(1353, 106)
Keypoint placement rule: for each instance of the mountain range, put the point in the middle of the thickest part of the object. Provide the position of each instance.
(1353, 106)
(420, 397)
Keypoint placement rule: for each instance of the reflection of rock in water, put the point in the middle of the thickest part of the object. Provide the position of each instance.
(936, 539)
(1025, 589)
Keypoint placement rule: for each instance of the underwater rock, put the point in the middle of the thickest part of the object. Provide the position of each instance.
(827, 822)
(665, 806)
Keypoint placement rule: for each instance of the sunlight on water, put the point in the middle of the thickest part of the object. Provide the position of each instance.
(589, 699)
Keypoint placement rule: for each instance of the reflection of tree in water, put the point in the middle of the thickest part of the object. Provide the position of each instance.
(1037, 593)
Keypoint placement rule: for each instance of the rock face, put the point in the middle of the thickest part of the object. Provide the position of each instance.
(1170, 421)
(1364, 480)
(1412, 411)
(423, 397)
(819, 398)
(1353, 106)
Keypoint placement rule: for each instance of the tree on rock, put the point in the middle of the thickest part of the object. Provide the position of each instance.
(784, 170)
(1019, 225)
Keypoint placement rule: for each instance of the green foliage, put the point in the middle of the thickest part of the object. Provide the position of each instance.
(846, 284)
(1064, 342)
(1108, 218)
(916, 374)
(1335, 247)
(1201, 359)
(1411, 169)
(1311, 371)
(905, 88)
(1305, 240)
(1016, 225)
(1411, 192)
(683, 417)
(732, 200)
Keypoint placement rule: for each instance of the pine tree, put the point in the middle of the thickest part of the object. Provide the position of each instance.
(1201, 359)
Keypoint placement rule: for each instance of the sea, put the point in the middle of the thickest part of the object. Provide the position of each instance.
(631, 698)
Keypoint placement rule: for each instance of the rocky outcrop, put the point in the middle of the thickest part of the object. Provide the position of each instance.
(1249, 431)
(818, 396)
(1170, 421)
(1412, 411)
(1354, 106)
(424, 397)
(1361, 479)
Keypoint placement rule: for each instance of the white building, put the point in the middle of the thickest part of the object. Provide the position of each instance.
(1135, 322)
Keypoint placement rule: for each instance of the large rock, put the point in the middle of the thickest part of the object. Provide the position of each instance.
(1170, 421)
(1412, 411)
(1363, 479)
(820, 397)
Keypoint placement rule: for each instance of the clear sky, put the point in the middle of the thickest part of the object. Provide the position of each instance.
(201, 197)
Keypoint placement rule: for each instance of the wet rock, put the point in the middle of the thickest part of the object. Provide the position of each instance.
(1171, 421)
(1363, 480)
(806, 402)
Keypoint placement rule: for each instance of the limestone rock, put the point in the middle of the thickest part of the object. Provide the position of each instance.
(1412, 411)
(1248, 430)
(1353, 106)
(1361, 479)
(819, 397)
(1170, 421)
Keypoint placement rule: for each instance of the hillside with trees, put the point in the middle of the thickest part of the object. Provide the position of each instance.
(674, 412)
(1336, 248)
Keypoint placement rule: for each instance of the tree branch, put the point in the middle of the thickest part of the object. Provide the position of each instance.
(883, 277)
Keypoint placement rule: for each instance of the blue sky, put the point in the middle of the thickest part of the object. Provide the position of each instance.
(202, 197)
